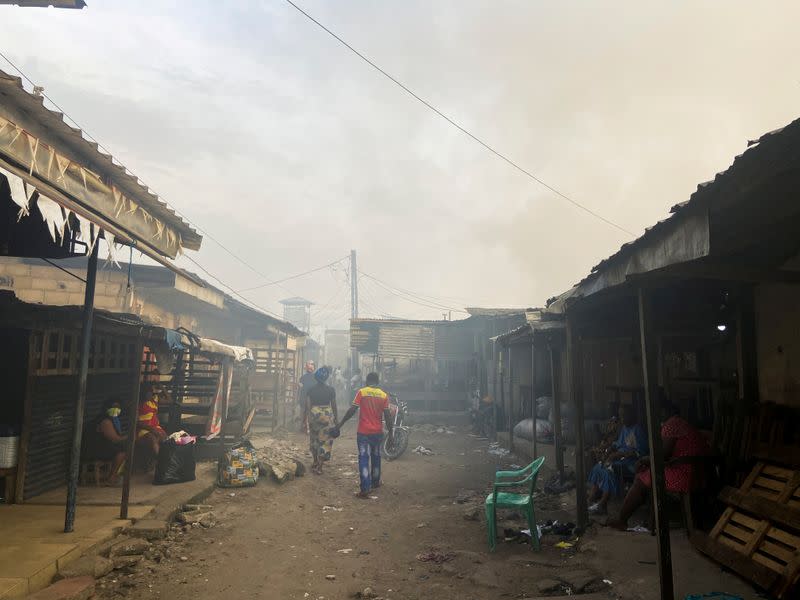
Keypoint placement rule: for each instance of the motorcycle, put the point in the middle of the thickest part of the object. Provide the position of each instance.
(399, 410)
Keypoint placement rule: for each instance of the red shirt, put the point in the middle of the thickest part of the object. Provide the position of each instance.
(371, 402)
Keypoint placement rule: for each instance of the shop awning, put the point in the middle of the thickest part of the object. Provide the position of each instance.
(238, 353)
(47, 161)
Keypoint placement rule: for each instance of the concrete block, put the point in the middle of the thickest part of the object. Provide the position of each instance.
(68, 557)
(43, 577)
(129, 547)
(125, 562)
(13, 587)
(91, 566)
(17, 269)
(149, 529)
(75, 299)
(44, 283)
(77, 588)
(20, 282)
(57, 298)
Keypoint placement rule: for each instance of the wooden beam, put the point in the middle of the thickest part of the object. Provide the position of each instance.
(133, 413)
(534, 449)
(575, 397)
(776, 512)
(736, 561)
(557, 447)
(25, 437)
(510, 416)
(747, 371)
(651, 395)
(80, 403)
(716, 271)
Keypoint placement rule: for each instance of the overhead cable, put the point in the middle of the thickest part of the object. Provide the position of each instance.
(463, 130)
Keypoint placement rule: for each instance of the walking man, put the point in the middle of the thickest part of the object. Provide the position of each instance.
(373, 406)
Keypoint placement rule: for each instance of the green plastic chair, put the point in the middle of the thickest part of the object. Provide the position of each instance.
(500, 499)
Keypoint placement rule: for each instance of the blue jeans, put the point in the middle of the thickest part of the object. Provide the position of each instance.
(369, 448)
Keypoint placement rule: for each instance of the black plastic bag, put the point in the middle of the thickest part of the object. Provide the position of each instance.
(175, 463)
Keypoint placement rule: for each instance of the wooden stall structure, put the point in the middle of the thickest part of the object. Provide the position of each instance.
(702, 310)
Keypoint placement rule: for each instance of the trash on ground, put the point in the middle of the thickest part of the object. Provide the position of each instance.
(423, 450)
(345, 551)
(557, 528)
(330, 577)
(435, 556)
(608, 582)
(638, 529)
(564, 545)
(496, 450)
(327, 508)
(555, 485)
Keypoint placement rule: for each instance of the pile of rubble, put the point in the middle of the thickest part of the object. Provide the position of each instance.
(280, 459)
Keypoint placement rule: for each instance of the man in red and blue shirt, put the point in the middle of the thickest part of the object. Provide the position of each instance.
(372, 404)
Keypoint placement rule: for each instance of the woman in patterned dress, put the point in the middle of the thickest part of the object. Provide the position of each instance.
(678, 440)
(321, 419)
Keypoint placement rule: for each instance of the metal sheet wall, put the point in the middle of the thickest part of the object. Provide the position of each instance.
(406, 341)
(52, 418)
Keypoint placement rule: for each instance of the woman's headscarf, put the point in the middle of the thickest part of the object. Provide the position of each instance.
(322, 374)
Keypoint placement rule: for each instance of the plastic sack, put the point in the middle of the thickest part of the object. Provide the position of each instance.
(238, 466)
(176, 463)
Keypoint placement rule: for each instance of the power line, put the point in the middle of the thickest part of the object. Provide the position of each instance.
(410, 296)
(465, 131)
(278, 281)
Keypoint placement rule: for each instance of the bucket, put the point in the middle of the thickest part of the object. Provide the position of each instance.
(9, 447)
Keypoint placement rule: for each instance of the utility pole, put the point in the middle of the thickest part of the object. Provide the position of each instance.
(353, 306)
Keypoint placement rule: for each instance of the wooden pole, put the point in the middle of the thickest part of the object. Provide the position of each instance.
(25, 438)
(133, 413)
(557, 447)
(80, 404)
(650, 374)
(533, 399)
(747, 367)
(510, 416)
(576, 399)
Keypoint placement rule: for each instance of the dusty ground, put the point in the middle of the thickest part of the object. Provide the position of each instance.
(276, 541)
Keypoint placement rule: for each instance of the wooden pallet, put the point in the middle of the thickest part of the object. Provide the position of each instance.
(757, 535)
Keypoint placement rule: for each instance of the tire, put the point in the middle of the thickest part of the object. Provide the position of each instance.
(400, 445)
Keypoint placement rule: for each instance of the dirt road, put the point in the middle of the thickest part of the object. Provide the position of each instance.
(278, 541)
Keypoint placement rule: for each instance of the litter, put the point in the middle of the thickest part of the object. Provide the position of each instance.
(327, 508)
(423, 450)
(435, 556)
(344, 551)
(608, 582)
(373, 497)
(564, 545)
(639, 529)
(496, 450)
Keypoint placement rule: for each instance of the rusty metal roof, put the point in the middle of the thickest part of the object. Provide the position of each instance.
(46, 3)
(695, 201)
(76, 147)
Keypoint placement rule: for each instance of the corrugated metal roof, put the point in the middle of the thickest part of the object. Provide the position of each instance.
(477, 311)
(695, 201)
(72, 143)
(46, 3)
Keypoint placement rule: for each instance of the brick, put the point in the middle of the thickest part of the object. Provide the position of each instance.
(75, 299)
(74, 588)
(21, 282)
(44, 283)
(17, 269)
(32, 296)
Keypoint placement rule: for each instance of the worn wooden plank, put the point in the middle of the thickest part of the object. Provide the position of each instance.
(768, 562)
(745, 520)
(738, 533)
(723, 521)
(756, 538)
(792, 487)
(741, 564)
(781, 514)
(754, 474)
(784, 537)
(777, 551)
(777, 472)
(770, 484)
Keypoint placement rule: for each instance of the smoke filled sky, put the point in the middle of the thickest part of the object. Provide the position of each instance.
(290, 150)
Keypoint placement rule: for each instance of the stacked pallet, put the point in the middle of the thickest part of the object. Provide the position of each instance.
(758, 535)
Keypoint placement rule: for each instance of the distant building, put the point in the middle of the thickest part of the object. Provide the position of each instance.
(337, 347)
(298, 312)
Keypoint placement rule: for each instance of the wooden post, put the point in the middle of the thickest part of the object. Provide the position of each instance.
(133, 413)
(533, 398)
(80, 404)
(25, 434)
(576, 399)
(502, 381)
(747, 367)
(557, 447)
(650, 374)
(510, 414)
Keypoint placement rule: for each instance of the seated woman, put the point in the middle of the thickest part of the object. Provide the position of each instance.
(149, 433)
(105, 440)
(630, 445)
(679, 440)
